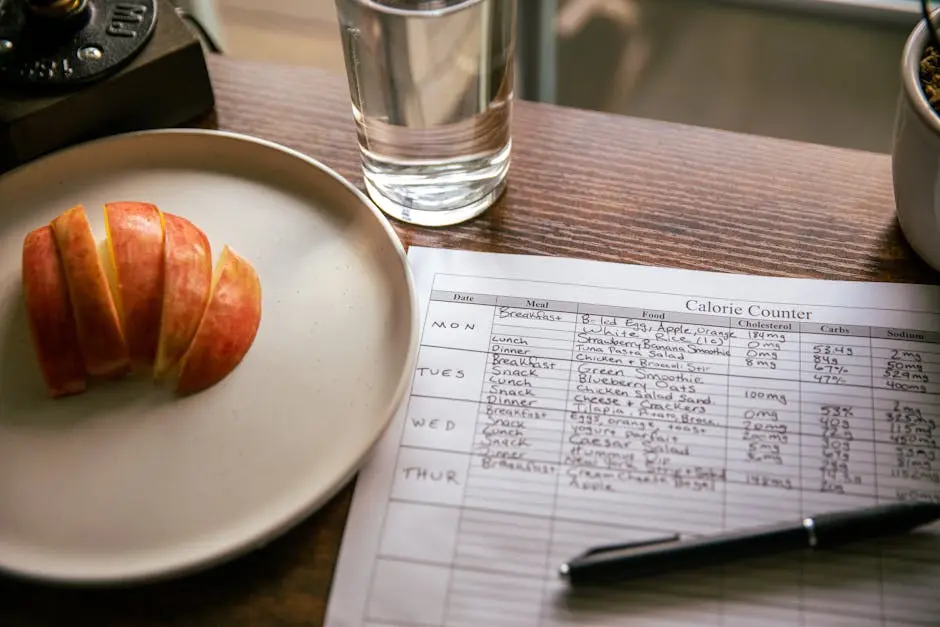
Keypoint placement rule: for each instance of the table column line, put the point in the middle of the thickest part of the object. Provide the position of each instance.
(445, 609)
(727, 430)
(561, 463)
(799, 456)
(874, 451)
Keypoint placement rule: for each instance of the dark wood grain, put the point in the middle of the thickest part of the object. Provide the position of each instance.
(614, 188)
(582, 184)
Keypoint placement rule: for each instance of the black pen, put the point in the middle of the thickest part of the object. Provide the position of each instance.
(608, 564)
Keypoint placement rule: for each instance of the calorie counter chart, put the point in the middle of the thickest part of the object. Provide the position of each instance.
(560, 404)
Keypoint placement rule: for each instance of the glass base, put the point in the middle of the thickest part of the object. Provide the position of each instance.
(436, 195)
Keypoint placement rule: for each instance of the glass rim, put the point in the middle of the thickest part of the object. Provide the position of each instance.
(416, 8)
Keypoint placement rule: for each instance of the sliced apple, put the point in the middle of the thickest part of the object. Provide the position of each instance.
(135, 246)
(49, 310)
(228, 327)
(100, 336)
(187, 280)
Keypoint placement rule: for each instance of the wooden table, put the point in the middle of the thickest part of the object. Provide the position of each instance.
(583, 184)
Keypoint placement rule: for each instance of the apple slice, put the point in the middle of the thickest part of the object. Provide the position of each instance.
(228, 327)
(187, 279)
(99, 329)
(135, 246)
(49, 309)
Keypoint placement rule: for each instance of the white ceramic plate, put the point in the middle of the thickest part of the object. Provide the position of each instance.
(126, 482)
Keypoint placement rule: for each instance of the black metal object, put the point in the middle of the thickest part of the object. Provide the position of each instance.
(655, 556)
(73, 49)
(166, 84)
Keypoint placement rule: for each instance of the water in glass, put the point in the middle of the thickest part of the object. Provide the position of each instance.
(431, 83)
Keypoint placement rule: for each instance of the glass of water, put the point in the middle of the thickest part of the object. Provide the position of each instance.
(431, 83)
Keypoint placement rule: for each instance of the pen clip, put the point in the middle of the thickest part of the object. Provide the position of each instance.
(631, 545)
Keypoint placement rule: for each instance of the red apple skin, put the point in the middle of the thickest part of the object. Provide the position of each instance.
(100, 336)
(135, 243)
(187, 283)
(49, 310)
(228, 326)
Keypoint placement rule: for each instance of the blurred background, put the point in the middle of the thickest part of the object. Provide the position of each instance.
(823, 71)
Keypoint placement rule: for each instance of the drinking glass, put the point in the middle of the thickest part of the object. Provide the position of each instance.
(431, 83)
